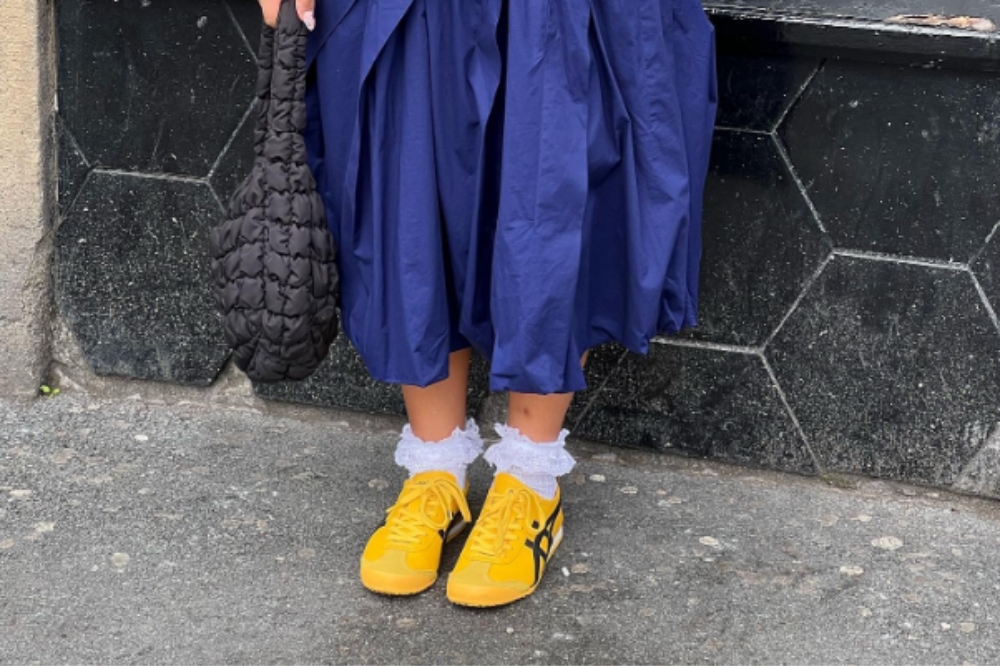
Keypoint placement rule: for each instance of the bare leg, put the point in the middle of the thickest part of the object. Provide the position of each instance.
(539, 417)
(403, 555)
(435, 411)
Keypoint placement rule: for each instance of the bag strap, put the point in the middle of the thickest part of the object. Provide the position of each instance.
(286, 113)
(265, 68)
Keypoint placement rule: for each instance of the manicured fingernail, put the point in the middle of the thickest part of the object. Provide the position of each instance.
(310, 20)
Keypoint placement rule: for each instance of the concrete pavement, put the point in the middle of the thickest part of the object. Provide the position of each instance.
(144, 533)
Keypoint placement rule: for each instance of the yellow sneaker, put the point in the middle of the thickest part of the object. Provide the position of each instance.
(403, 555)
(509, 548)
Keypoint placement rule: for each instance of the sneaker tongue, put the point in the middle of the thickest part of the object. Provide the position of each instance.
(429, 477)
(504, 482)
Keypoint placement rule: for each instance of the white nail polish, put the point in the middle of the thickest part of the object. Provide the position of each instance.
(310, 20)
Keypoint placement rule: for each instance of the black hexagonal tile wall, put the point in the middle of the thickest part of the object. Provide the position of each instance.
(900, 160)
(235, 162)
(890, 366)
(248, 16)
(986, 267)
(73, 167)
(755, 90)
(761, 242)
(602, 365)
(893, 369)
(132, 278)
(696, 401)
(343, 381)
(152, 86)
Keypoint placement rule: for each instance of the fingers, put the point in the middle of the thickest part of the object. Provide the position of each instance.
(306, 9)
(270, 9)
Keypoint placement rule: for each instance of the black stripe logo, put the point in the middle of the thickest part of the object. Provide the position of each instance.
(541, 545)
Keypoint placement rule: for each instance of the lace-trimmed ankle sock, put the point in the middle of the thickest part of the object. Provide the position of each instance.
(453, 454)
(536, 465)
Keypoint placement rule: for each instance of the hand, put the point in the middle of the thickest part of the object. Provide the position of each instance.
(305, 9)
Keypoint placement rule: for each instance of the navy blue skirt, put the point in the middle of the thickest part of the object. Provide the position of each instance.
(520, 176)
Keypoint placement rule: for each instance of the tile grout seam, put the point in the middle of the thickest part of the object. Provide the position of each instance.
(231, 140)
(990, 312)
(991, 440)
(742, 130)
(600, 389)
(982, 248)
(806, 288)
(798, 96)
(902, 259)
(76, 144)
(746, 350)
(792, 415)
(176, 178)
(71, 206)
(239, 29)
(786, 158)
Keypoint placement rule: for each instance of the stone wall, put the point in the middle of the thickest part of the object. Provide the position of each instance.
(850, 274)
(27, 92)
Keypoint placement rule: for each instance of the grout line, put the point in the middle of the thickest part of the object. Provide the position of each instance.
(786, 158)
(990, 441)
(215, 196)
(806, 288)
(72, 204)
(152, 176)
(798, 95)
(586, 409)
(702, 344)
(231, 140)
(901, 259)
(76, 144)
(990, 312)
(742, 130)
(239, 29)
(982, 248)
(62, 212)
(791, 414)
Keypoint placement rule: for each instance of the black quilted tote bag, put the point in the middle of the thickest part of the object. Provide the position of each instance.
(273, 270)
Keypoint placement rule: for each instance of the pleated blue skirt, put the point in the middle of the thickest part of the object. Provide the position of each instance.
(524, 177)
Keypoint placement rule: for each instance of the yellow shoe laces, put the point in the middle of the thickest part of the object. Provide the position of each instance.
(501, 521)
(421, 507)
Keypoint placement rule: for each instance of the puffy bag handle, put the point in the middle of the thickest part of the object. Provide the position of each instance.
(265, 68)
(289, 49)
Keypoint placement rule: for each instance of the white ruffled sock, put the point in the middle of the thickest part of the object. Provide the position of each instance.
(536, 465)
(452, 454)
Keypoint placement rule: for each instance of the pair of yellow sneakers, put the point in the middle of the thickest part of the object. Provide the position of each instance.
(503, 560)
